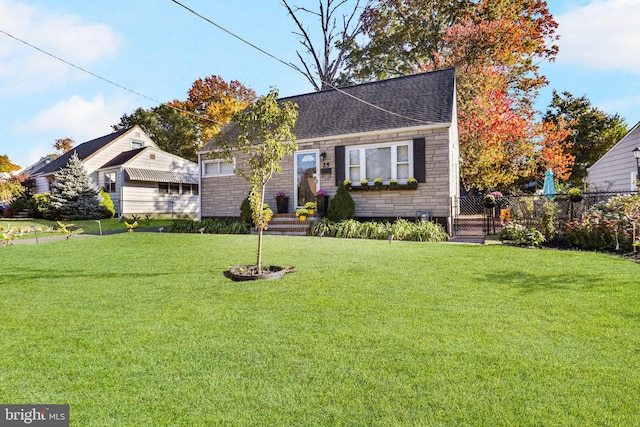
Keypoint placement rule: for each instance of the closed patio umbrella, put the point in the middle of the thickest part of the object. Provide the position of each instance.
(548, 189)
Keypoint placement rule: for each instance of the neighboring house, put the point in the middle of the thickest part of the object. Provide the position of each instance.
(29, 170)
(140, 178)
(396, 129)
(617, 170)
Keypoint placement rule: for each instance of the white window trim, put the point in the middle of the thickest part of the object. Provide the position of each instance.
(110, 179)
(363, 163)
(218, 161)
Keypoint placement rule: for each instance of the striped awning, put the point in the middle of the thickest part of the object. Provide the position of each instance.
(152, 175)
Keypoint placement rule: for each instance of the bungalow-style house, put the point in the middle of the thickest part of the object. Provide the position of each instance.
(394, 129)
(617, 170)
(140, 178)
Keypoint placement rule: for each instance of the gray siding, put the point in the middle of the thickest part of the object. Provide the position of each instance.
(616, 170)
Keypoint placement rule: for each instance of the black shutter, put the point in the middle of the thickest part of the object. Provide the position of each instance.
(419, 164)
(340, 172)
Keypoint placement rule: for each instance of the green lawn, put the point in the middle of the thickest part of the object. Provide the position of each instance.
(142, 329)
(25, 226)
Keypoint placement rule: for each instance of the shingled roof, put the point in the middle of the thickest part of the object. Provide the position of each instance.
(409, 101)
(123, 158)
(84, 150)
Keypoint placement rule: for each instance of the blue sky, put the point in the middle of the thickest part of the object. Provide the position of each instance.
(158, 49)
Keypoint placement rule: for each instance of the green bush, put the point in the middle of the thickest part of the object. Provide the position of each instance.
(107, 205)
(19, 204)
(210, 226)
(605, 226)
(521, 235)
(546, 223)
(38, 206)
(245, 212)
(342, 206)
(422, 231)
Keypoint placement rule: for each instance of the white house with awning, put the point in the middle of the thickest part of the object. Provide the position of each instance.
(141, 178)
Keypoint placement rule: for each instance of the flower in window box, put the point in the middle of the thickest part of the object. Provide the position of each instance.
(393, 181)
(364, 182)
(412, 181)
(377, 181)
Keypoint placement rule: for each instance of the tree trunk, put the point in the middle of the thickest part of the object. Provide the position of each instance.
(260, 230)
(259, 260)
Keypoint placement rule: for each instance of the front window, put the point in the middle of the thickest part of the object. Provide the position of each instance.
(386, 161)
(217, 168)
(110, 182)
(191, 189)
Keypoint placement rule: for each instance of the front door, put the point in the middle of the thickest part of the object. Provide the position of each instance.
(307, 178)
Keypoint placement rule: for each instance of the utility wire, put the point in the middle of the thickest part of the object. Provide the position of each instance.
(292, 66)
(155, 101)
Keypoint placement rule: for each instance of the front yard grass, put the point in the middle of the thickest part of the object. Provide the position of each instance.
(25, 226)
(143, 329)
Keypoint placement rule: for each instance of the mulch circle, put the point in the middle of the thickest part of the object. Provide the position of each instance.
(243, 273)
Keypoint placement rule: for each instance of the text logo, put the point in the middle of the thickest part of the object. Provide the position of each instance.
(34, 415)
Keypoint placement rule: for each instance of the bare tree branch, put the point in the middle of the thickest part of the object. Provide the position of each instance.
(326, 60)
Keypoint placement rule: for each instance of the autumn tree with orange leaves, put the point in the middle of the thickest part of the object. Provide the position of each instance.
(182, 127)
(62, 145)
(213, 102)
(496, 46)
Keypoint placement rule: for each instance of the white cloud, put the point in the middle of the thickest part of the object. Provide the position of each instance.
(79, 118)
(602, 35)
(628, 103)
(23, 68)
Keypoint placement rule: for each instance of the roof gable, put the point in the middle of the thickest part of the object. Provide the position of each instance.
(84, 150)
(88, 149)
(409, 101)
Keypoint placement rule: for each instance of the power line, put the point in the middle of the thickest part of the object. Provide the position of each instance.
(107, 80)
(292, 66)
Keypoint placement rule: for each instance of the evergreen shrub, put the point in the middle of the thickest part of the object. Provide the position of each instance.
(342, 206)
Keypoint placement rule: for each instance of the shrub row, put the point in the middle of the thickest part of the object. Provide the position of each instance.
(607, 226)
(210, 226)
(421, 231)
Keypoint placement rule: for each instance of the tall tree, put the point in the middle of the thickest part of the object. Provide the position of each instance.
(496, 46)
(263, 133)
(62, 145)
(74, 195)
(181, 127)
(400, 36)
(593, 133)
(172, 130)
(326, 59)
(213, 102)
(6, 165)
